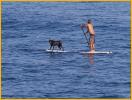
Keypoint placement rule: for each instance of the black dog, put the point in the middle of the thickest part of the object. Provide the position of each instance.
(57, 43)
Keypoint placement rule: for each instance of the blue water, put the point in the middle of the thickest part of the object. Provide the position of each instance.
(28, 71)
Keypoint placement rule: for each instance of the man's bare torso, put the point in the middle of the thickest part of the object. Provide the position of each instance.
(90, 29)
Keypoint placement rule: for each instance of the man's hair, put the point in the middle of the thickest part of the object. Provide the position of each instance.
(89, 21)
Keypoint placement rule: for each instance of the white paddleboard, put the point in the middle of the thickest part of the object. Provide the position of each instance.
(48, 50)
(97, 52)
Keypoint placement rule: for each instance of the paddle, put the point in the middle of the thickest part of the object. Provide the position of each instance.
(85, 36)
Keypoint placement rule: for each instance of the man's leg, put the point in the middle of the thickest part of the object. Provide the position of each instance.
(93, 48)
(92, 43)
(90, 46)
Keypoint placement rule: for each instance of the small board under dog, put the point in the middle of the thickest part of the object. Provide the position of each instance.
(48, 50)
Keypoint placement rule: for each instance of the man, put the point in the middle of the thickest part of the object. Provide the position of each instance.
(90, 30)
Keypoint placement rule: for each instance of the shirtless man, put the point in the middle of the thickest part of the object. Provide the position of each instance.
(90, 30)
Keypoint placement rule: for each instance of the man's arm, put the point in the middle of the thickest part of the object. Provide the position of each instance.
(87, 28)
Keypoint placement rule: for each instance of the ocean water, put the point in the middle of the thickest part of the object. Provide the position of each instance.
(28, 71)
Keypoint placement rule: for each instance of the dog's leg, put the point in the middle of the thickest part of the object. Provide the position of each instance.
(59, 47)
(52, 48)
(56, 47)
(62, 48)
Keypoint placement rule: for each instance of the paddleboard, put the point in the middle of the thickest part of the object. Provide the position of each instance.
(48, 50)
(97, 52)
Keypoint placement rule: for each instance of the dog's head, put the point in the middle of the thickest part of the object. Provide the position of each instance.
(51, 41)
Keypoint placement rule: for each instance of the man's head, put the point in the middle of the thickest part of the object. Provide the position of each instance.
(89, 21)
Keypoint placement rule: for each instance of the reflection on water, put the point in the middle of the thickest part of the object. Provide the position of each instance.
(90, 57)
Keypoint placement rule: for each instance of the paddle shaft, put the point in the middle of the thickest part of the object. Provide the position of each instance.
(85, 36)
